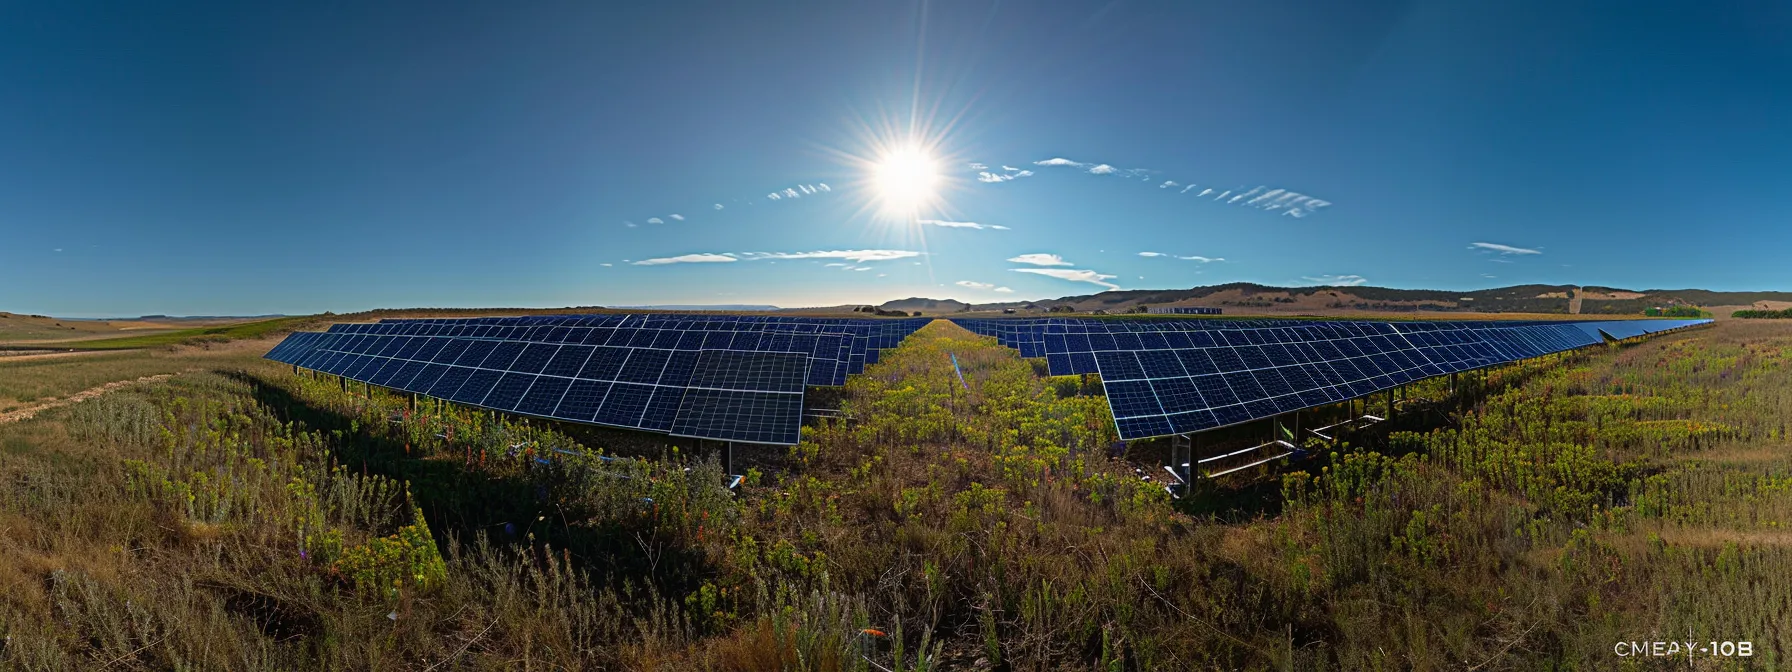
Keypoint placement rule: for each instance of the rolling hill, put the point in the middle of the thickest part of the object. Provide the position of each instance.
(1250, 299)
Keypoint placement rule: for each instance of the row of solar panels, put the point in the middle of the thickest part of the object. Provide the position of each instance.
(1165, 377)
(866, 336)
(713, 379)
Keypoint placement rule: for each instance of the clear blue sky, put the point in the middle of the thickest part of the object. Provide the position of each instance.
(245, 158)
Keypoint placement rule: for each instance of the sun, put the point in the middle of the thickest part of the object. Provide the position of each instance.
(906, 180)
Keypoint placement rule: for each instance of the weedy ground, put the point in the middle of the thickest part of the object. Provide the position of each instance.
(243, 517)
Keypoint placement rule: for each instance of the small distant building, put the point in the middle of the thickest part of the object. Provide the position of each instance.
(1184, 310)
(1008, 311)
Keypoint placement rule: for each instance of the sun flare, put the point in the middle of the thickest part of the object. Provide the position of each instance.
(907, 180)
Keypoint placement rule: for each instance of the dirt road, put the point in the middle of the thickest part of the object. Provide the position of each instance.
(29, 411)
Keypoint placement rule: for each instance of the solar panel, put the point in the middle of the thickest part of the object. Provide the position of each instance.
(754, 397)
(1176, 376)
(738, 378)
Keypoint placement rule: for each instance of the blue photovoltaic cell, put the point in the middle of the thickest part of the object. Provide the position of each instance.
(1269, 366)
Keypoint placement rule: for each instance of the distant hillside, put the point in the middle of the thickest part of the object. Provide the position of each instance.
(1249, 298)
(728, 307)
(925, 306)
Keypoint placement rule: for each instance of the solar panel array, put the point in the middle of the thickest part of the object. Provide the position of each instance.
(1165, 377)
(724, 377)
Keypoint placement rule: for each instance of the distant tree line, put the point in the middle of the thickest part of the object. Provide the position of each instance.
(1764, 314)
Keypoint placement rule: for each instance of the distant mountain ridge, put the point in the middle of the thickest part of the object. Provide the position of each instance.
(1251, 298)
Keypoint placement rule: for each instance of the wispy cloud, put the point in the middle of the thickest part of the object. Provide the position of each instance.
(975, 285)
(606, 265)
(1291, 203)
(630, 224)
(1002, 177)
(838, 263)
(655, 220)
(1072, 275)
(977, 166)
(799, 191)
(1337, 280)
(1040, 259)
(1502, 249)
(701, 258)
(961, 225)
(1196, 257)
(1004, 290)
(678, 217)
(860, 256)
(718, 206)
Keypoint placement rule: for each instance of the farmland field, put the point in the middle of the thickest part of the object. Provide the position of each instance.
(242, 516)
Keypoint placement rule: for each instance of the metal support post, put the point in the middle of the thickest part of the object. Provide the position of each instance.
(727, 458)
(1182, 457)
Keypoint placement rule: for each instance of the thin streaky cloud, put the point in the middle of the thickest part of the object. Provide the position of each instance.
(977, 166)
(678, 217)
(1013, 169)
(998, 227)
(849, 255)
(655, 220)
(1167, 184)
(606, 265)
(629, 224)
(1073, 275)
(1194, 257)
(1004, 290)
(1185, 189)
(1336, 280)
(718, 206)
(702, 258)
(1060, 162)
(1104, 169)
(1040, 259)
(1002, 177)
(1204, 192)
(975, 285)
(1503, 249)
(958, 225)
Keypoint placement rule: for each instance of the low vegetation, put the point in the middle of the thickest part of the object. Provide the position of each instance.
(1763, 314)
(251, 518)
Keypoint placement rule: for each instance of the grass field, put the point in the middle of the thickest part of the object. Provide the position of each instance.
(209, 334)
(243, 517)
(28, 380)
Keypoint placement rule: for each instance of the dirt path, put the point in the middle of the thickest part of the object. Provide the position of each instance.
(13, 356)
(29, 411)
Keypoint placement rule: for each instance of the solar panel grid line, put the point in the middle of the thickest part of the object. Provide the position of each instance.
(1333, 361)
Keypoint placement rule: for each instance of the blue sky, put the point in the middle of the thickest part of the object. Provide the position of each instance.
(244, 158)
